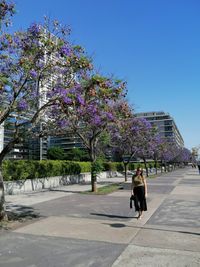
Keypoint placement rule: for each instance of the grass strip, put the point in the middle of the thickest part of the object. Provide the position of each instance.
(104, 190)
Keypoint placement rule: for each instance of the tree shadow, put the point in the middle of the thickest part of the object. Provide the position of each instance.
(17, 212)
(66, 191)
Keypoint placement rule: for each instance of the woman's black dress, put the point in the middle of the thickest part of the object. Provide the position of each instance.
(140, 199)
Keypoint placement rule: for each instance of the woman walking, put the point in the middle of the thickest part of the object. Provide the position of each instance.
(139, 190)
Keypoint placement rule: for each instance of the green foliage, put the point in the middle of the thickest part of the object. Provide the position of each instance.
(132, 166)
(135, 165)
(22, 169)
(119, 167)
(56, 153)
(113, 166)
(30, 169)
(77, 154)
(15, 170)
(97, 167)
(105, 189)
(109, 166)
(85, 166)
(70, 167)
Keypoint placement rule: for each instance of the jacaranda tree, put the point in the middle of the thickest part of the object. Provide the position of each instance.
(90, 106)
(7, 10)
(127, 138)
(158, 148)
(146, 142)
(183, 156)
(37, 68)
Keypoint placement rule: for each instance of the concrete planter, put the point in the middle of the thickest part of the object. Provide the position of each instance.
(29, 185)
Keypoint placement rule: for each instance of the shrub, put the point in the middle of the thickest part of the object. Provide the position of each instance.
(70, 167)
(85, 166)
(131, 166)
(56, 153)
(15, 170)
(30, 169)
(97, 167)
(119, 166)
(109, 166)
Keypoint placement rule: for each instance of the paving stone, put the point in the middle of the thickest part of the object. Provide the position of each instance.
(22, 250)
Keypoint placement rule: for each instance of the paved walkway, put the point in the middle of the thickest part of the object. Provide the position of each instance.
(72, 229)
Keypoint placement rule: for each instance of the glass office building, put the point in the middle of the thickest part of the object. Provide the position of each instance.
(165, 124)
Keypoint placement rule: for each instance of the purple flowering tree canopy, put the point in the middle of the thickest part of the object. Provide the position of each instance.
(7, 10)
(133, 137)
(90, 105)
(37, 67)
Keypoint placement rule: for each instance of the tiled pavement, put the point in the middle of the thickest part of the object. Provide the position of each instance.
(73, 229)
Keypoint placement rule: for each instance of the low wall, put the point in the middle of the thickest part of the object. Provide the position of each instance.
(29, 185)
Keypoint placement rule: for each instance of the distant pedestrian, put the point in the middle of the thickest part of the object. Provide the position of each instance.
(198, 165)
(139, 190)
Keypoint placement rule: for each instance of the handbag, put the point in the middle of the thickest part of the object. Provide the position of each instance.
(132, 198)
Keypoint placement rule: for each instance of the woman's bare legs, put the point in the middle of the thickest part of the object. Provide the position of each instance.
(140, 214)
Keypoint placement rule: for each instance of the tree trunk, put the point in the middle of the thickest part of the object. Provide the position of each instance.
(93, 177)
(92, 153)
(2, 196)
(3, 153)
(145, 164)
(155, 164)
(94, 181)
(165, 167)
(125, 169)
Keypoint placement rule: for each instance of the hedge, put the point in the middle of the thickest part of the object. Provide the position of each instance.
(113, 166)
(30, 169)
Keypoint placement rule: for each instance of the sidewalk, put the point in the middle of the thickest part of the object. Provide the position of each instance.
(36, 197)
(73, 229)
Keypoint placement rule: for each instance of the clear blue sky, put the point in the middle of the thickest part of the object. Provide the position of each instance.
(153, 44)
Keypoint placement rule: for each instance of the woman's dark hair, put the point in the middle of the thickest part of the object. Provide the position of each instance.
(141, 170)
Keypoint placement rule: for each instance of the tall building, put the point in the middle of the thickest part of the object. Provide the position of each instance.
(1, 137)
(66, 142)
(165, 124)
(29, 148)
(36, 147)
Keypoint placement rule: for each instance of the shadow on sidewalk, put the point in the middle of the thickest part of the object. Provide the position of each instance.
(20, 212)
(120, 225)
(112, 216)
(65, 191)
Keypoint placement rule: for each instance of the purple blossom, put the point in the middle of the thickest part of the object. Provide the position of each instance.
(65, 50)
(17, 40)
(40, 64)
(80, 100)
(6, 9)
(34, 29)
(67, 100)
(96, 120)
(108, 83)
(92, 109)
(22, 104)
(60, 91)
(80, 111)
(76, 89)
(62, 123)
(109, 116)
(33, 73)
